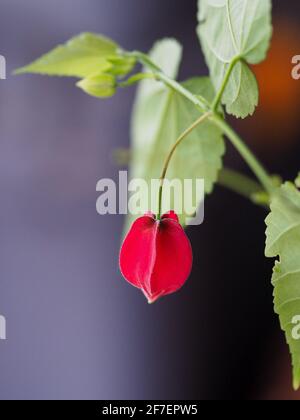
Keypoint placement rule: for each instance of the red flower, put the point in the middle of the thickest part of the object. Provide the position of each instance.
(156, 255)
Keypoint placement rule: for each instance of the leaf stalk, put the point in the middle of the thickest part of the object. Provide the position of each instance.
(220, 94)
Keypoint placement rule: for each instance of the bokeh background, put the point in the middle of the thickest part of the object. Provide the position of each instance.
(75, 329)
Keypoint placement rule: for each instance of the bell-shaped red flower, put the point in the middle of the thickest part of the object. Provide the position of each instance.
(156, 255)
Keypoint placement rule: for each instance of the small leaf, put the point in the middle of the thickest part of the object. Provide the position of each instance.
(231, 29)
(81, 56)
(160, 117)
(244, 82)
(283, 241)
(99, 85)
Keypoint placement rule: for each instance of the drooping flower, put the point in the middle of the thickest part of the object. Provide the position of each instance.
(156, 256)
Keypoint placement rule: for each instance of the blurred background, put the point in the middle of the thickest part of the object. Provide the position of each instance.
(75, 328)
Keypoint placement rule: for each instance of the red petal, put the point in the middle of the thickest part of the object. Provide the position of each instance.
(156, 256)
(137, 256)
(171, 215)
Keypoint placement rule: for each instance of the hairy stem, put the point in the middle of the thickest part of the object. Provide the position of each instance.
(170, 155)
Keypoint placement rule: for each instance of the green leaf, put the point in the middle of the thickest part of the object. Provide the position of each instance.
(283, 241)
(81, 57)
(231, 29)
(160, 116)
(99, 85)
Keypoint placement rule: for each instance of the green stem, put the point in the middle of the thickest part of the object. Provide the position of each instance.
(136, 78)
(239, 183)
(246, 153)
(201, 103)
(170, 155)
(219, 95)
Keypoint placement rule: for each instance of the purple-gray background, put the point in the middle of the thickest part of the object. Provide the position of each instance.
(75, 329)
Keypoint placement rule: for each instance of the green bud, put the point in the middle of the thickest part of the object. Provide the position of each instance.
(99, 85)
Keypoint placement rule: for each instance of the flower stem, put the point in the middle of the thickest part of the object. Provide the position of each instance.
(171, 153)
(136, 78)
